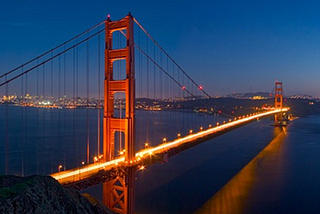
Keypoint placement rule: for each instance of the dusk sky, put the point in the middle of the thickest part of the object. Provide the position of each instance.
(226, 46)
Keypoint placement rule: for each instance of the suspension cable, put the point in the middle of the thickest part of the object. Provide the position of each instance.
(51, 58)
(151, 38)
(53, 49)
(144, 53)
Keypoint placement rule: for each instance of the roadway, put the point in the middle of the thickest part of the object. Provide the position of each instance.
(87, 171)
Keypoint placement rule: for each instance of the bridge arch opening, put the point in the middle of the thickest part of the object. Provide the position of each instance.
(119, 40)
(119, 69)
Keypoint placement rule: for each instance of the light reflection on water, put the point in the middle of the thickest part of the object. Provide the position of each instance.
(189, 179)
(223, 175)
(234, 196)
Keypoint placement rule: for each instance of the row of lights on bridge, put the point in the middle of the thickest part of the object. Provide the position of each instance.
(146, 145)
(98, 158)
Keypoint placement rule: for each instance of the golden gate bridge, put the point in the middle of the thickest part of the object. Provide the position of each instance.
(121, 62)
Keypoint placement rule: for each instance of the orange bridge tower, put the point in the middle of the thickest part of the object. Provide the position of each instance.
(278, 96)
(118, 193)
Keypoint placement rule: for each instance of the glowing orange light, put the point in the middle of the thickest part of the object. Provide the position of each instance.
(141, 168)
(178, 135)
(95, 159)
(92, 168)
(190, 131)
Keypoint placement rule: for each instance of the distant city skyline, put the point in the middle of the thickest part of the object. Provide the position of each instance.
(226, 46)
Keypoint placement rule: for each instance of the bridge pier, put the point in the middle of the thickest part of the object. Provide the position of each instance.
(118, 194)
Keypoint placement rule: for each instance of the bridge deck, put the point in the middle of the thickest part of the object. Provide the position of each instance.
(107, 169)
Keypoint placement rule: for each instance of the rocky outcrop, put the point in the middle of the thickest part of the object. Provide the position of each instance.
(43, 194)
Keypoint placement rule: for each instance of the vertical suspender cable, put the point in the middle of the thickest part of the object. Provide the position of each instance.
(51, 109)
(74, 99)
(140, 67)
(59, 105)
(88, 137)
(168, 81)
(37, 106)
(51, 94)
(161, 97)
(139, 76)
(43, 120)
(77, 93)
(64, 110)
(98, 149)
(147, 89)
(26, 121)
(22, 124)
(154, 93)
(7, 128)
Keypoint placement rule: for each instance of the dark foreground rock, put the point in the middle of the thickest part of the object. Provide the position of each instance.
(43, 194)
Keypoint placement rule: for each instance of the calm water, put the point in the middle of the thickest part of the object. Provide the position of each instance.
(41, 139)
(254, 169)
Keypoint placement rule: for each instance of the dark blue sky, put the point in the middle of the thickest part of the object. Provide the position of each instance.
(225, 45)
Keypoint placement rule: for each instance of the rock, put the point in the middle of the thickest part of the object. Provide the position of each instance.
(43, 194)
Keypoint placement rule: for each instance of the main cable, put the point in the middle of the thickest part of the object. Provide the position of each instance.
(53, 49)
(185, 73)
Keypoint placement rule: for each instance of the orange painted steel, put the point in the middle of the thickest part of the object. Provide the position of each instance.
(278, 100)
(118, 193)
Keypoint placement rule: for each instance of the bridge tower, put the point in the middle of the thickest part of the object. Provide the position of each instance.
(278, 96)
(118, 193)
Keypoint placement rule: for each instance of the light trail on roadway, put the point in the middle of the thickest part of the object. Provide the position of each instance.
(81, 173)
